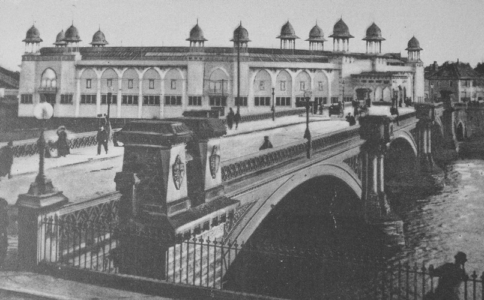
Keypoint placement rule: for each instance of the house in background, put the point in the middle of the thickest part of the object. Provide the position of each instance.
(453, 78)
(9, 84)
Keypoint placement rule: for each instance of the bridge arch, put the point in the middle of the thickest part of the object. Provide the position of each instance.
(262, 208)
(408, 138)
(401, 159)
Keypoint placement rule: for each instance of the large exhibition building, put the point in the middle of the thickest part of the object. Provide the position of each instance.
(159, 82)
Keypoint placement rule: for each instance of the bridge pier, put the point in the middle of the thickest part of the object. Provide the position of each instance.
(376, 131)
(427, 178)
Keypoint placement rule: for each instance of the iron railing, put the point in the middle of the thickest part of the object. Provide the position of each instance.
(251, 268)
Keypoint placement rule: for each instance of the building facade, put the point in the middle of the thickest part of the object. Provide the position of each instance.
(161, 82)
(457, 79)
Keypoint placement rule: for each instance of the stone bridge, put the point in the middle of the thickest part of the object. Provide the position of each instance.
(175, 182)
(174, 179)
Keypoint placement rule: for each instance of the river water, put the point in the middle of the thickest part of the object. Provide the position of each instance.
(436, 227)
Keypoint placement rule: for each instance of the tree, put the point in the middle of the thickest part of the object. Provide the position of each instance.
(480, 68)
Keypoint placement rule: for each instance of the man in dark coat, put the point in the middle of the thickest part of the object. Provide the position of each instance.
(350, 119)
(3, 230)
(230, 118)
(62, 145)
(102, 139)
(267, 144)
(237, 119)
(451, 275)
(6, 160)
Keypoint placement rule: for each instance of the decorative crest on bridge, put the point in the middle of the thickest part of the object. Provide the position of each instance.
(214, 162)
(178, 172)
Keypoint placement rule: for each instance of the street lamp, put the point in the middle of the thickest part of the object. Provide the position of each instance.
(273, 106)
(432, 93)
(307, 133)
(42, 111)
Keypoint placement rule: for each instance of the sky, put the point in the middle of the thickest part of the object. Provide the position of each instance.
(447, 29)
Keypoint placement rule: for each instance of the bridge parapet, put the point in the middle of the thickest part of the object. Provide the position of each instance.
(247, 165)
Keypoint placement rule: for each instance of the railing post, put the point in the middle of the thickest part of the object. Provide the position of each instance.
(32, 207)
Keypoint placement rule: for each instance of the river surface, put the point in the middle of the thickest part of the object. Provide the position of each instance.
(436, 227)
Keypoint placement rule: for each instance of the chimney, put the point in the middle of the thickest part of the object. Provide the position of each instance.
(435, 66)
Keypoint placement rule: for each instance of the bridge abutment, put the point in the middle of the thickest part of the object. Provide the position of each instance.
(376, 131)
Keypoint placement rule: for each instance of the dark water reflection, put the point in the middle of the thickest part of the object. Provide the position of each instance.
(436, 227)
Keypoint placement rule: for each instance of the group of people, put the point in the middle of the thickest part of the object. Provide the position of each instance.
(233, 118)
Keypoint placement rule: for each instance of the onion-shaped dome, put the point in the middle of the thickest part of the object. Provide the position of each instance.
(287, 32)
(59, 40)
(32, 36)
(196, 34)
(241, 35)
(72, 35)
(413, 45)
(373, 33)
(316, 34)
(98, 39)
(340, 30)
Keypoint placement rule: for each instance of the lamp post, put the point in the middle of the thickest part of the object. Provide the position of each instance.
(238, 72)
(41, 198)
(42, 111)
(273, 106)
(307, 133)
(432, 93)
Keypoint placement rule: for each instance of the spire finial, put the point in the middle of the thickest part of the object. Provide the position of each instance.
(241, 23)
(99, 27)
(197, 21)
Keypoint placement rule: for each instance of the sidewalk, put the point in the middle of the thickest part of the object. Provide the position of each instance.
(26, 285)
(30, 164)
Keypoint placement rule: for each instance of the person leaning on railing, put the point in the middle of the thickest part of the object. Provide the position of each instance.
(451, 275)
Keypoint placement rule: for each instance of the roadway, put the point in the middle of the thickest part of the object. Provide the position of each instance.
(91, 178)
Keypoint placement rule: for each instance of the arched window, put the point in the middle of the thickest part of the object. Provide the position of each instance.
(49, 79)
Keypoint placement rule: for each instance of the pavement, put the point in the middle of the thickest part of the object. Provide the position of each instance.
(27, 285)
(30, 164)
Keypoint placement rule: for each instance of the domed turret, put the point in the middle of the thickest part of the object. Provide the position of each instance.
(72, 35)
(413, 44)
(341, 30)
(32, 40)
(241, 36)
(413, 48)
(341, 33)
(373, 39)
(59, 40)
(288, 36)
(98, 39)
(196, 37)
(33, 35)
(316, 38)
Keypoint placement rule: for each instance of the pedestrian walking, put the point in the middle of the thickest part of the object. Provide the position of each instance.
(267, 144)
(6, 160)
(102, 140)
(237, 119)
(62, 143)
(230, 118)
(451, 275)
(3, 230)
(109, 129)
(350, 119)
